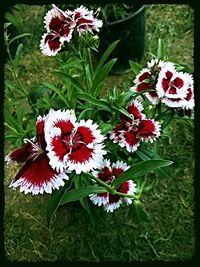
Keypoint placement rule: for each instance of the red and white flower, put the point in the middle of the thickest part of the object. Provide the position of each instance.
(175, 88)
(36, 175)
(130, 132)
(50, 44)
(59, 27)
(148, 130)
(135, 109)
(129, 139)
(73, 145)
(188, 102)
(108, 173)
(147, 79)
(85, 20)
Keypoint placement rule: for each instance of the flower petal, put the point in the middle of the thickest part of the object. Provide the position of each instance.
(129, 140)
(135, 108)
(37, 177)
(19, 155)
(148, 130)
(50, 44)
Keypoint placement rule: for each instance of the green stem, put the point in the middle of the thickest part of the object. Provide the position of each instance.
(101, 183)
(23, 91)
(84, 64)
(112, 190)
(90, 61)
(14, 72)
(127, 195)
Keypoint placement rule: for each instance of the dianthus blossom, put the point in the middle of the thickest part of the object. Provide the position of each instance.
(130, 132)
(71, 145)
(108, 173)
(36, 175)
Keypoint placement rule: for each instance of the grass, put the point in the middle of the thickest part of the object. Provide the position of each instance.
(168, 232)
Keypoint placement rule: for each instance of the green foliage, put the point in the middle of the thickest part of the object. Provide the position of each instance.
(161, 49)
(54, 201)
(80, 192)
(140, 169)
(160, 222)
(105, 56)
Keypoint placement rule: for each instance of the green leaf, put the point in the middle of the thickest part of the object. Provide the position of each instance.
(20, 115)
(146, 154)
(101, 75)
(135, 67)
(6, 25)
(18, 37)
(140, 169)
(167, 118)
(18, 54)
(84, 113)
(12, 136)
(78, 184)
(105, 127)
(12, 122)
(161, 49)
(54, 201)
(105, 56)
(37, 92)
(78, 193)
(72, 80)
(57, 91)
(70, 63)
(123, 111)
(100, 103)
(138, 212)
(10, 17)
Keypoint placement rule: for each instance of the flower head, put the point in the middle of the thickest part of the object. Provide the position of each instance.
(147, 79)
(73, 145)
(130, 132)
(175, 89)
(85, 20)
(108, 173)
(36, 175)
(59, 26)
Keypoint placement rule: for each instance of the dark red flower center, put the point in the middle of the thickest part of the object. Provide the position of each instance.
(53, 41)
(105, 175)
(146, 128)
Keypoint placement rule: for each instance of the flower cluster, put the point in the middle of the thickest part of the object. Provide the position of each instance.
(61, 24)
(135, 128)
(165, 84)
(73, 136)
(62, 145)
(108, 173)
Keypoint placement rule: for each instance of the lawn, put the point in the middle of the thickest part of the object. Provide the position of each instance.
(167, 233)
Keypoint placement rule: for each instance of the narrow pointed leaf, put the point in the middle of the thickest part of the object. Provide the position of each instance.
(105, 56)
(140, 169)
(18, 37)
(78, 183)
(71, 79)
(146, 154)
(138, 212)
(57, 91)
(18, 54)
(10, 120)
(97, 102)
(161, 49)
(101, 75)
(135, 67)
(78, 193)
(54, 201)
